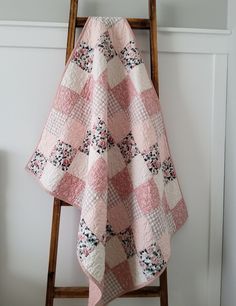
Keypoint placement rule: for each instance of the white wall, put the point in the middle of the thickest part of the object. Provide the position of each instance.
(193, 66)
(229, 245)
(176, 13)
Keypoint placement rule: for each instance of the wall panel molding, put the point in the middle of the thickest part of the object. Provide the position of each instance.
(53, 35)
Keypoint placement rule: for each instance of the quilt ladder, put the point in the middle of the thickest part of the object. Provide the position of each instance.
(53, 291)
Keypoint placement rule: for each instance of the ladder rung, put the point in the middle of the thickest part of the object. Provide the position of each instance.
(135, 23)
(83, 292)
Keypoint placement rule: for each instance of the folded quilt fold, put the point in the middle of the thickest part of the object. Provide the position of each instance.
(104, 149)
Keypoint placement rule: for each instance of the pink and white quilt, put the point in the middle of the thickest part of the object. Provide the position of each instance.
(104, 149)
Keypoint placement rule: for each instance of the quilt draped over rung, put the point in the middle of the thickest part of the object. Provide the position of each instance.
(104, 149)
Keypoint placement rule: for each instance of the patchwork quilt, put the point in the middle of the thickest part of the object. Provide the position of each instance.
(104, 149)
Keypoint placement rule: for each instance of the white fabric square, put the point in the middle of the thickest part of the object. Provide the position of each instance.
(136, 270)
(96, 256)
(99, 64)
(159, 180)
(143, 235)
(136, 167)
(173, 194)
(51, 177)
(74, 77)
(79, 165)
(94, 156)
(116, 71)
(140, 78)
(108, 21)
(89, 198)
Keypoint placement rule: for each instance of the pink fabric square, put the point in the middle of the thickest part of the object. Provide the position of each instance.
(119, 36)
(142, 232)
(144, 135)
(115, 252)
(180, 214)
(123, 275)
(163, 146)
(124, 92)
(164, 244)
(123, 184)
(87, 90)
(97, 176)
(73, 132)
(150, 101)
(102, 80)
(91, 35)
(119, 126)
(69, 188)
(118, 217)
(47, 143)
(147, 196)
(118, 162)
(65, 99)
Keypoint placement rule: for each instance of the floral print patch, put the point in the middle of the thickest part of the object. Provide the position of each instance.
(86, 143)
(151, 260)
(130, 56)
(127, 240)
(83, 56)
(109, 233)
(168, 170)
(62, 155)
(128, 148)
(37, 163)
(87, 240)
(101, 137)
(105, 46)
(152, 158)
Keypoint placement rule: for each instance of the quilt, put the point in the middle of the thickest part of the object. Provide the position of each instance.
(104, 150)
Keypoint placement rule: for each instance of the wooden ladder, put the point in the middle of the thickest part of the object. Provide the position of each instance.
(160, 291)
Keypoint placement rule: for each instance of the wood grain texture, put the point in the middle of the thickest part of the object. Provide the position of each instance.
(71, 28)
(53, 251)
(153, 44)
(83, 292)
